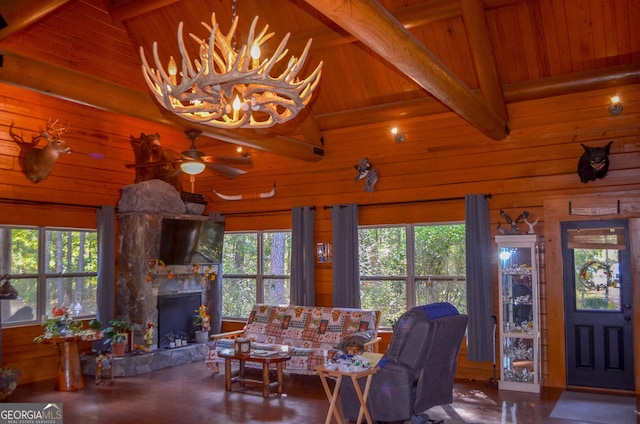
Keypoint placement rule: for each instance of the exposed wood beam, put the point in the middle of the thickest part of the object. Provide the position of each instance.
(475, 22)
(376, 28)
(612, 76)
(516, 92)
(80, 88)
(18, 14)
(123, 10)
(410, 17)
(309, 129)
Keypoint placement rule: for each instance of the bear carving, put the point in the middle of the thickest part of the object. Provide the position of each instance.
(152, 162)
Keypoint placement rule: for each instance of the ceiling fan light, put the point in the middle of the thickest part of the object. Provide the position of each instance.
(192, 167)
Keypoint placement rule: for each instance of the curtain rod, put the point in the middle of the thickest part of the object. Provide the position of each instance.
(409, 202)
(37, 203)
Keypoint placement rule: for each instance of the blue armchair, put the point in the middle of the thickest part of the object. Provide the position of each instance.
(418, 369)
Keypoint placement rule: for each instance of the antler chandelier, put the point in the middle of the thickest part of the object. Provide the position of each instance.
(229, 88)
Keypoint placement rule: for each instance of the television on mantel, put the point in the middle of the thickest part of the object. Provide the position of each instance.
(186, 241)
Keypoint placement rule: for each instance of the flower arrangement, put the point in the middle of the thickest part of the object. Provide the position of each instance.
(60, 324)
(202, 318)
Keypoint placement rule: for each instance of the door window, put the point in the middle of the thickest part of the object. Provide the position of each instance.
(596, 260)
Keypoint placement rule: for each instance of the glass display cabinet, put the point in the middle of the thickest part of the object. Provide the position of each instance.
(519, 322)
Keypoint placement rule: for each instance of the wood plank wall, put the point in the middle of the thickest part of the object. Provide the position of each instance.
(442, 158)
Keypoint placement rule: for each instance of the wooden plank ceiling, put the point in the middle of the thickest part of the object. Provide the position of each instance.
(383, 60)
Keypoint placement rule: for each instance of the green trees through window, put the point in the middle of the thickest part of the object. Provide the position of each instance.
(256, 268)
(49, 268)
(400, 267)
(409, 265)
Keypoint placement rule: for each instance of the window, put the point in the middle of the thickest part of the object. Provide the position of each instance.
(48, 267)
(256, 268)
(407, 265)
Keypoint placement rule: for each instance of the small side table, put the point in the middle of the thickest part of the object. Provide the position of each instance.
(333, 397)
(69, 376)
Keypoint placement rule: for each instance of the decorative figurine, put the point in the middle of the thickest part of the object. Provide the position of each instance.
(531, 225)
(512, 222)
(365, 171)
(148, 335)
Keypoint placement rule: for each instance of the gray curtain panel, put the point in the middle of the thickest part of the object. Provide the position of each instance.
(105, 225)
(479, 279)
(303, 256)
(214, 304)
(346, 266)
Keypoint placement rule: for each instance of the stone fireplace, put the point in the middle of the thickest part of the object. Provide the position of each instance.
(142, 280)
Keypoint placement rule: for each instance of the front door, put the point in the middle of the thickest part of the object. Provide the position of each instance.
(597, 304)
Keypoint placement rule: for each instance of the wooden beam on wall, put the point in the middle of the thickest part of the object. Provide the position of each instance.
(375, 27)
(18, 14)
(516, 92)
(76, 87)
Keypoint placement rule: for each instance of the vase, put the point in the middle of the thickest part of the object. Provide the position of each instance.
(202, 336)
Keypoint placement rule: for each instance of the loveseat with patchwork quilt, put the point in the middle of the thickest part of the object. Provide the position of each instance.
(310, 333)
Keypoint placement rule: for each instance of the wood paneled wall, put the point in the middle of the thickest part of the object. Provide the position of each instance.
(421, 180)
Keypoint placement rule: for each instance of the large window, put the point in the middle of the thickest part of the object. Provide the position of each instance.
(48, 267)
(256, 268)
(408, 265)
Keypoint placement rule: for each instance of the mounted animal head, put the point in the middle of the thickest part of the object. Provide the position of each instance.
(38, 162)
(594, 162)
(365, 170)
(147, 150)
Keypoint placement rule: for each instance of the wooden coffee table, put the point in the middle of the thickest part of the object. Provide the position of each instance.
(276, 358)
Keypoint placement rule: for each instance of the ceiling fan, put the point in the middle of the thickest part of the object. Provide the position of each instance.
(198, 158)
(194, 161)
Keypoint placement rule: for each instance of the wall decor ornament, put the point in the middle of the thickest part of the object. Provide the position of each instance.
(513, 223)
(37, 162)
(152, 162)
(366, 172)
(264, 195)
(531, 225)
(595, 275)
(594, 162)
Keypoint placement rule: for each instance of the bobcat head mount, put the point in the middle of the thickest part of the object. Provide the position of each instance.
(594, 162)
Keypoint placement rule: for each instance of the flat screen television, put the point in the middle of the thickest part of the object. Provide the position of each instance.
(185, 242)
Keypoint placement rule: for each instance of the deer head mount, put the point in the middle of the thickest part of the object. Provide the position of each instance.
(39, 161)
(594, 162)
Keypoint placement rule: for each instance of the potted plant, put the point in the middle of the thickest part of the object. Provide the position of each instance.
(203, 321)
(8, 381)
(116, 334)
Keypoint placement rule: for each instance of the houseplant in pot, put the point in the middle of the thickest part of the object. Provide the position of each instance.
(117, 334)
(202, 320)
